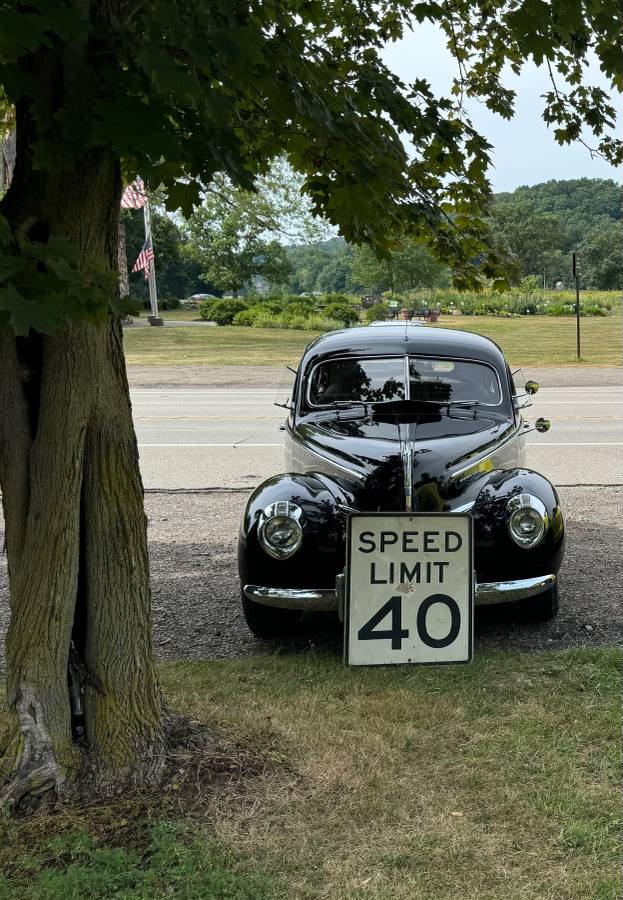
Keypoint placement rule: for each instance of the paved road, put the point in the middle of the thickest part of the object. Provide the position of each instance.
(229, 437)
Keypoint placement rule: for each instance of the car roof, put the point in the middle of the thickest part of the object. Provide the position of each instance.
(391, 341)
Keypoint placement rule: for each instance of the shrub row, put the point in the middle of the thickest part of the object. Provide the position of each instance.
(520, 302)
(283, 312)
(274, 320)
(291, 311)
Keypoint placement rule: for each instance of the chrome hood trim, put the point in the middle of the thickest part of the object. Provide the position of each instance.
(406, 455)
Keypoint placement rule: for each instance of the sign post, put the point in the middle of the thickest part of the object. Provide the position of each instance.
(576, 275)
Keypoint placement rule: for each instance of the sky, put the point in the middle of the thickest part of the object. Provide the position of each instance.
(525, 151)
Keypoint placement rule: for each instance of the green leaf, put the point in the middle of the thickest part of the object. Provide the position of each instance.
(125, 306)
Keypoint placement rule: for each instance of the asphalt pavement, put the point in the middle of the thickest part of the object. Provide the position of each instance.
(199, 437)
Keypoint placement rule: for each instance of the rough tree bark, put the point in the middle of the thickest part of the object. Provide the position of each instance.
(75, 525)
(124, 277)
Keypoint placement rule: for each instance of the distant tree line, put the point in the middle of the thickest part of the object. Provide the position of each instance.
(541, 226)
(544, 224)
(239, 241)
(335, 265)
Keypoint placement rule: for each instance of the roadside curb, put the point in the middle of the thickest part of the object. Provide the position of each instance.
(251, 487)
(203, 490)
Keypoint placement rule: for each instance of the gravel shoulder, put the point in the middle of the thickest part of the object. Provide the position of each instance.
(273, 376)
(196, 608)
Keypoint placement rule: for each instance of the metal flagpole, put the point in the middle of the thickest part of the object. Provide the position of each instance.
(154, 319)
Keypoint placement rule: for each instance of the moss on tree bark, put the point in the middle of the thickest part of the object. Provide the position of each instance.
(75, 524)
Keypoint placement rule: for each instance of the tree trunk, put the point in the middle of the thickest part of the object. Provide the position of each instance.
(75, 526)
(124, 277)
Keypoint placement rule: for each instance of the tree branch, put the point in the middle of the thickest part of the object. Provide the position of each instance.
(564, 102)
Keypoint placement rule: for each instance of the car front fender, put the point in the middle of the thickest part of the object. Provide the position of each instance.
(497, 555)
(321, 555)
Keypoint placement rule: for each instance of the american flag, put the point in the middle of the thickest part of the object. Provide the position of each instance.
(144, 259)
(134, 195)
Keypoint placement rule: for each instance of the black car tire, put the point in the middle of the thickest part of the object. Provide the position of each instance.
(268, 621)
(540, 608)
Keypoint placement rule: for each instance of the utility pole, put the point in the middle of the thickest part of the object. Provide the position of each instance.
(154, 318)
(576, 275)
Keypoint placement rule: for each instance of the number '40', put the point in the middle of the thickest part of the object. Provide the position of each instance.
(393, 607)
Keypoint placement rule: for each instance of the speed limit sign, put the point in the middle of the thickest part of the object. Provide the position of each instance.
(409, 589)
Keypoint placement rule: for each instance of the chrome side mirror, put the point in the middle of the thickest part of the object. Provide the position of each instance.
(531, 387)
(542, 425)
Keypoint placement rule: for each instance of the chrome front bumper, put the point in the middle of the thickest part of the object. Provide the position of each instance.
(487, 593)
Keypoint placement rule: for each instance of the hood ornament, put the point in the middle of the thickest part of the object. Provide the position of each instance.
(406, 456)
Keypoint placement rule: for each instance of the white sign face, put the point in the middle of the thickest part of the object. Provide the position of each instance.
(409, 593)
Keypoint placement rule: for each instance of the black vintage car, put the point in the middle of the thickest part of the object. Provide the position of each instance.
(400, 419)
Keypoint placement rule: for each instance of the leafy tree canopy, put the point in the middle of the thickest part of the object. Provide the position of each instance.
(237, 234)
(540, 226)
(543, 224)
(181, 90)
(324, 266)
(533, 238)
(601, 258)
(407, 269)
(576, 203)
(228, 238)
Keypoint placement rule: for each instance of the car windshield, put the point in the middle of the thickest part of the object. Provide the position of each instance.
(453, 381)
(356, 380)
(431, 380)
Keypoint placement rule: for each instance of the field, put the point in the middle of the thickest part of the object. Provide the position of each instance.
(494, 781)
(178, 315)
(529, 340)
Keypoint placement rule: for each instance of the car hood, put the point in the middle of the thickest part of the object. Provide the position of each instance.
(371, 454)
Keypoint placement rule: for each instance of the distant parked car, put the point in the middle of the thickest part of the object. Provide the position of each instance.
(400, 420)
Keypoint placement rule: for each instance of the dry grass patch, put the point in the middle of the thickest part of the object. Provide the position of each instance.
(529, 340)
(549, 340)
(494, 781)
(497, 780)
(214, 346)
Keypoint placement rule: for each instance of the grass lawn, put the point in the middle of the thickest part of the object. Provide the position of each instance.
(494, 781)
(550, 340)
(215, 346)
(530, 340)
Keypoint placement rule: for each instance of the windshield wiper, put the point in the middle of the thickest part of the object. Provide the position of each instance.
(475, 405)
(367, 404)
(401, 405)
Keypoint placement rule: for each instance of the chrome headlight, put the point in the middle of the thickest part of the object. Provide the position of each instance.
(280, 531)
(527, 519)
